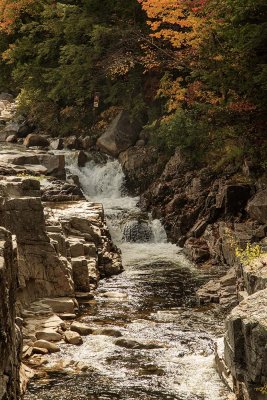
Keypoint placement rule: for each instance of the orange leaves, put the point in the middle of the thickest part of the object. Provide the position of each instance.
(10, 11)
(177, 21)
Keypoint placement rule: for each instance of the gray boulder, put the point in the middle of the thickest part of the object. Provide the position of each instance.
(119, 136)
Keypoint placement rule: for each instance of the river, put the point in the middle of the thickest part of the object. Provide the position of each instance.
(166, 348)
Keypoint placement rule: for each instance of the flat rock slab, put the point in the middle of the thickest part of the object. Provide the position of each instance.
(48, 334)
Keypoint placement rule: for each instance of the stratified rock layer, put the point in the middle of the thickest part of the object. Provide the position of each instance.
(246, 346)
(10, 336)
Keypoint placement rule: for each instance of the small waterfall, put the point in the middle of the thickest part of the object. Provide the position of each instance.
(105, 183)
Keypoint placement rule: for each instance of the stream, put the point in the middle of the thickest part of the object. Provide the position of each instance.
(164, 347)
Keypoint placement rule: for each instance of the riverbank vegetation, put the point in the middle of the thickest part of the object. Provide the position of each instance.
(193, 72)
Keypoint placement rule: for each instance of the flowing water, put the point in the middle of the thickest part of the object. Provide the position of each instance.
(166, 348)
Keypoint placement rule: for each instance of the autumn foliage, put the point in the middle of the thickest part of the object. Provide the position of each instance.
(10, 11)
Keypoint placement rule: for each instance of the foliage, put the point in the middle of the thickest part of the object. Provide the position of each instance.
(62, 53)
(196, 70)
(249, 254)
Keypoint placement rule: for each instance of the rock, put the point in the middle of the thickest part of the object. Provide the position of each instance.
(254, 274)
(234, 198)
(38, 350)
(3, 136)
(257, 207)
(42, 272)
(76, 248)
(81, 328)
(35, 139)
(44, 344)
(108, 332)
(25, 129)
(82, 158)
(11, 338)
(12, 139)
(49, 335)
(60, 305)
(140, 143)
(141, 166)
(115, 295)
(73, 143)
(134, 344)
(197, 250)
(87, 143)
(245, 344)
(6, 96)
(57, 144)
(73, 338)
(120, 135)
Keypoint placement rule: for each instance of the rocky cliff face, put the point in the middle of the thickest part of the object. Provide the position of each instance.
(54, 248)
(10, 335)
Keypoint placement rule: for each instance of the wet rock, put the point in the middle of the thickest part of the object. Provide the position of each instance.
(44, 344)
(81, 328)
(134, 344)
(115, 295)
(137, 231)
(108, 332)
(82, 158)
(73, 338)
(120, 135)
(35, 139)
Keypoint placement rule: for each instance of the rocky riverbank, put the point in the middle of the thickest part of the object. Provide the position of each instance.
(55, 247)
(220, 219)
(61, 246)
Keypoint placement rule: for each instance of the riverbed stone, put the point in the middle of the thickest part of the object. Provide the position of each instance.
(48, 334)
(81, 328)
(73, 338)
(34, 139)
(45, 344)
(108, 332)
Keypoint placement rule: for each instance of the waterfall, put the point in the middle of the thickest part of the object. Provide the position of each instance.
(105, 183)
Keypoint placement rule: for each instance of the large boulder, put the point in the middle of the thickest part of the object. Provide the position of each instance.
(34, 139)
(257, 207)
(119, 136)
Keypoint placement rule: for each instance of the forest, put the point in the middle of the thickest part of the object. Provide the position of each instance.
(193, 72)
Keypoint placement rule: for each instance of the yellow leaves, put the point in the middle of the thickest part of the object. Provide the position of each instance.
(173, 91)
(249, 254)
